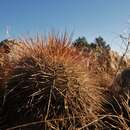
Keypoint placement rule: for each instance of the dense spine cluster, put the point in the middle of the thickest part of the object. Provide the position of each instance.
(48, 80)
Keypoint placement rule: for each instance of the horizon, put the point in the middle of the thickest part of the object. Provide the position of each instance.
(88, 18)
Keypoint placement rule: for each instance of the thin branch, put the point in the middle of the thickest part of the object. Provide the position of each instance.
(125, 52)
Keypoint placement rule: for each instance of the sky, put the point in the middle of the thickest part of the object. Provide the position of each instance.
(89, 18)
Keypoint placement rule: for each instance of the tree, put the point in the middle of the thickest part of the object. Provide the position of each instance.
(99, 44)
(99, 41)
(81, 42)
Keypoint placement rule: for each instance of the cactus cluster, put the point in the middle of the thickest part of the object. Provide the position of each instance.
(48, 84)
(48, 81)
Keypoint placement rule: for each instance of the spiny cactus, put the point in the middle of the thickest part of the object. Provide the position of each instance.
(48, 81)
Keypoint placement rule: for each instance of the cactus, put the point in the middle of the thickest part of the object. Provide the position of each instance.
(48, 82)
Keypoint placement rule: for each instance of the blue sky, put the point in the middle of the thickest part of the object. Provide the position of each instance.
(89, 18)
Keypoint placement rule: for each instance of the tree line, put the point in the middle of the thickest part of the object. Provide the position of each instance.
(81, 43)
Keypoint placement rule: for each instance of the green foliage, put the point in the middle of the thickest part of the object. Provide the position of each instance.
(81, 42)
(99, 41)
